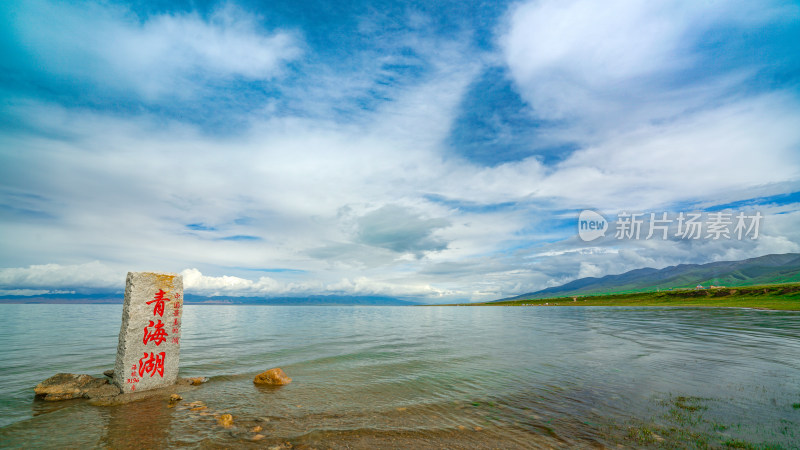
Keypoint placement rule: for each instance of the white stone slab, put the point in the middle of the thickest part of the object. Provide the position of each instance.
(149, 338)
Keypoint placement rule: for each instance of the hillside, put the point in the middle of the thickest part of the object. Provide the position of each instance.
(768, 269)
(774, 296)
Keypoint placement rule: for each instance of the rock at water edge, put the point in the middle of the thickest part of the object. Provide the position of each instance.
(274, 376)
(149, 339)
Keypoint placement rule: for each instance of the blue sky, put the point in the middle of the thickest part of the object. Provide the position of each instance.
(429, 150)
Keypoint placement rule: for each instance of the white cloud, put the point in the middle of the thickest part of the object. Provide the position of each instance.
(89, 275)
(166, 55)
(195, 282)
(130, 207)
(564, 53)
(366, 286)
(750, 143)
(589, 270)
(658, 122)
(605, 66)
(24, 292)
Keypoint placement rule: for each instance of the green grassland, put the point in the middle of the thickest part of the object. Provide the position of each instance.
(769, 296)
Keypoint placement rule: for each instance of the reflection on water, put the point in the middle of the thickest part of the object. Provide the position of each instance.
(453, 377)
(143, 424)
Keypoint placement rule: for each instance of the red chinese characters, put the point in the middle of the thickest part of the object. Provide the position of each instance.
(152, 364)
(176, 322)
(159, 301)
(157, 335)
(133, 380)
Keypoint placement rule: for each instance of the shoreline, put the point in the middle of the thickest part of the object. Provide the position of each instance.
(777, 297)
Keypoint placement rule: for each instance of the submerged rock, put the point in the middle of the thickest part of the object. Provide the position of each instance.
(274, 376)
(226, 420)
(66, 386)
(99, 391)
(196, 381)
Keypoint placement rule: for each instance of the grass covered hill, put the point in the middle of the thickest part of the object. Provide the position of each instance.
(769, 269)
(776, 296)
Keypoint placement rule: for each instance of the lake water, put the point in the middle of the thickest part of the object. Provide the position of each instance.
(417, 377)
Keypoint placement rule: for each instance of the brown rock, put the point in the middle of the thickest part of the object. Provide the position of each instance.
(257, 429)
(100, 391)
(109, 373)
(175, 398)
(65, 386)
(274, 376)
(258, 437)
(104, 389)
(196, 381)
(119, 398)
(226, 420)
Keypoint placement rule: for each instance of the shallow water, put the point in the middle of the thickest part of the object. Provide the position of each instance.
(454, 377)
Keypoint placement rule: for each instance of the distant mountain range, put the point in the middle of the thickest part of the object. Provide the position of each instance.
(769, 269)
(191, 299)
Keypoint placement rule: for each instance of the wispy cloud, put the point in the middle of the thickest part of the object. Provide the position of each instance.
(615, 65)
(166, 56)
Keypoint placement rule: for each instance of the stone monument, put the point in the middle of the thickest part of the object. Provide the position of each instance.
(149, 338)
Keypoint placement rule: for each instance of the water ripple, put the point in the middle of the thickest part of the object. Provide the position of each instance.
(489, 376)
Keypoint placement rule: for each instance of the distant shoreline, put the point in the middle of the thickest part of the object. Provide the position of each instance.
(781, 297)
